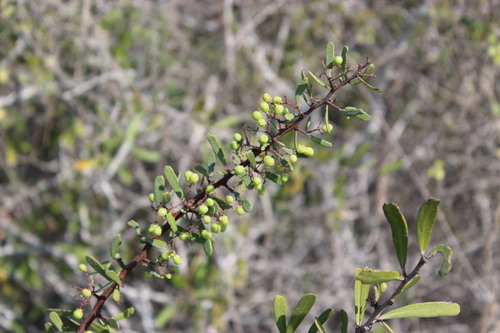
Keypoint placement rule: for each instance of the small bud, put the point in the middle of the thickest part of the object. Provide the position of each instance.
(327, 128)
(82, 267)
(293, 158)
(183, 236)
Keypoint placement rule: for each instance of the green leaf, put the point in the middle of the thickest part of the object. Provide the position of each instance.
(208, 247)
(318, 81)
(318, 326)
(201, 169)
(115, 247)
(330, 54)
(424, 310)
(171, 221)
(96, 265)
(135, 225)
(391, 167)
(112, 323)
(344, 57)
(146, 155)
(247, 205)
(112, 276)
(211, 164)
(165, 315)
(301, 88)
(387, 327)
(447, 253)
(410, 284)
(49, 328)
(159, 188)
(369, 86)
(350, 111)
(299, 313)
(158, 243)
(361, 292)
(320, 141)
(425, 222)
(344, 320)
(125, 314)
(251, 159)
(98, 328)
(370, 276)
(321, 319)
(54, 317)
(133, 128)
(279, 311)
(219, 152)
(173, 180)
(399, 230)
(275, 178)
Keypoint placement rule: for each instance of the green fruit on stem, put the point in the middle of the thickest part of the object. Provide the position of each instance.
(207, 219)
(278, 109)
(223, 219)
(162, 211)
(86, 293)
(78, 314)
(237, 137)
(284, 178)
(165, 255)
(215, 227)
(234, 145)
(257, 180)
(293, 158)
(263, 139)
(256, 115)
(202, 209)
(277, 100)
(309, 151)
(264, 107)
(187, 174)
(229, 199)
(261, 122)
(193, 178)
(177, 259)
(267, 98)
(240, 210)
(338, 60)
(210, 188)
(268, 161)
(210, 202)
(239, 170)
(82, 267)
(183, 236)
(151, 197)
(206, 234)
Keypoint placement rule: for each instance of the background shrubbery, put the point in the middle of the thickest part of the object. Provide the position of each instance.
(97, 97)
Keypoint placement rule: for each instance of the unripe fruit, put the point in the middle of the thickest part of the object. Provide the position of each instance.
(193, 178)
(82, 267)
(183, 236)
(177, 259)
(237, 137)
(78, 314)
(267, 98)
(327, 128)
(234, 145)
(86, 293)
(206, 234)
(165, 255)
(151, 197)
(239, 170)
(240, 210)
(284, 178)
(207, 219)
(157, 230)
(293, 158)
(256, 115)
(308, 151)
(268, 161)
(229, 199)
(278, 109)
(262, 122)
(264, 107)
(223, 219)
(263, 139)
(187, 174)
(338, 61)
(215, 227)
(210, 188)
(256, 180)
(162, 211)
(383, 287)
(202, 209)
(210, 202)
(258, 186)
(277, 100)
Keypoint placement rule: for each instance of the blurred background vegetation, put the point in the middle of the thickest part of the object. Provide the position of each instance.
(96, 97)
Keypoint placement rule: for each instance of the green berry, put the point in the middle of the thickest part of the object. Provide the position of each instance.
(263, 139)
(277, 100)
(308, 151)
(206, 234)
(177, 259)
(239, 170)
(264, 107)
(258, 186)
(267, 98)
(78, 314)
(284, 178)
(278, 109)
(151, 197)
(215, 227)
(151, 228)
(162, 211)
(202, 209)
(234, 145)
(261, 122)
(256, 180)
(187, 175)
(193, 178)
(237, 137)
(183, 236)
(293, 158)
(268, 161)
(338, 60)
(240, 210)
(210, 202)
(155, 230)
(165, 255)
(327, 128)
(229, 199)
(207, 219)
(210, 188)
(82, 267)
(256, 115)
(223, 219)
(86, 293)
